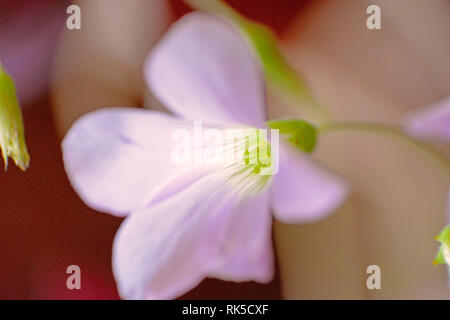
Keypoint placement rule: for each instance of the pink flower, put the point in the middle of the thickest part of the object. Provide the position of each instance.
(431, 124)
(188, 222)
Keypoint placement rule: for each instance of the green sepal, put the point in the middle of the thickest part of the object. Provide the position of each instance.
(12, 140)
(300, 133)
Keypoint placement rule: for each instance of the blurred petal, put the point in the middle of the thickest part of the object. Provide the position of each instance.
(165, 250)
(303, 190)
(431, 124)
(27, 44)
(118, 158)
(281, 77)
(203, 70)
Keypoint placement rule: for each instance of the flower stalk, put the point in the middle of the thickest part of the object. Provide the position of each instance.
(389, 130)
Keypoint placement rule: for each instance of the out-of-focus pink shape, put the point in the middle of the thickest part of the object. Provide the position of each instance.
(28, 33)
(431, 123)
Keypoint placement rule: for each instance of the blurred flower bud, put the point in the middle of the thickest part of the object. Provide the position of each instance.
(443, 255)
(12, 141)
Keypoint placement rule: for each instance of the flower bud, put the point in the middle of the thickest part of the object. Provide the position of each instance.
(12, 141)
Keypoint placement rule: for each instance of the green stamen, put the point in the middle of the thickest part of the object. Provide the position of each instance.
(255, 156)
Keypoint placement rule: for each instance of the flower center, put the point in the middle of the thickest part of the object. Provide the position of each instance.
(252, 159)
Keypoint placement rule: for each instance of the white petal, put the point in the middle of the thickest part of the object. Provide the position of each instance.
(203, 70)
(165, 250)
(303, 190)
(118, 158)
(247, 253)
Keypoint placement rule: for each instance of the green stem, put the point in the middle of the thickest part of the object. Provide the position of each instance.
(390, 130)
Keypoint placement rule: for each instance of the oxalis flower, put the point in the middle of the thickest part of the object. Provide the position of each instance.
(185, 222)
(433, 124)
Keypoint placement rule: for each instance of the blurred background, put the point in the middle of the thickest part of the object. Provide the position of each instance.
(399, 196)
